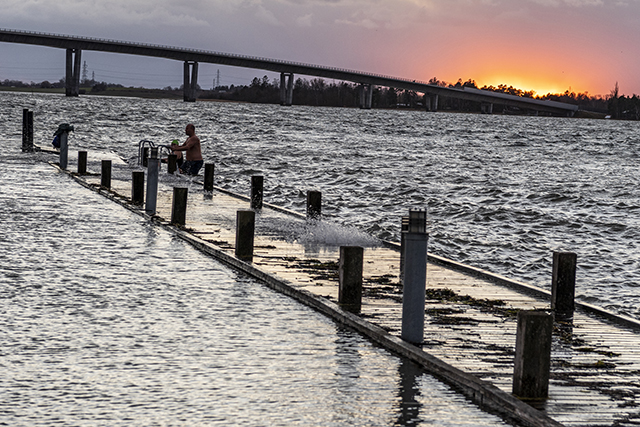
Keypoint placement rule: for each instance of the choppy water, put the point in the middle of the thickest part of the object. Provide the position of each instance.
(106, 320)
(502, 192)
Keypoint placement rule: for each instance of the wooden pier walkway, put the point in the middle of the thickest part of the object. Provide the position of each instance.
(470, 317)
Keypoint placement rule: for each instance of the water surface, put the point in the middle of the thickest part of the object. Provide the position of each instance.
(502, 192)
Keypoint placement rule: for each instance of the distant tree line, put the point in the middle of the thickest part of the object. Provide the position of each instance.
(42, 85)
(93, 85)
(318, 92)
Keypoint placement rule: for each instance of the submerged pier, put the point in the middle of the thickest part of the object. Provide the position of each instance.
(470, 322)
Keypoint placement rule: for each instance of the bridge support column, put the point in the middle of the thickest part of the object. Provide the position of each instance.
(486, 108)
(72, 76)
(286, 89)
(431, 102)
(190, 81)
(365, 92)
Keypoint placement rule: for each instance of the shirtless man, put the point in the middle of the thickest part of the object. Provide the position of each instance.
(191, 146)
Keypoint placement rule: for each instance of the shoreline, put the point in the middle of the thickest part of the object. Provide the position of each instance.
(145, 93)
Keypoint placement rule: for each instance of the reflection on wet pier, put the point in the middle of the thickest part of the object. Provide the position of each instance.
(471, 318)
(110, 320)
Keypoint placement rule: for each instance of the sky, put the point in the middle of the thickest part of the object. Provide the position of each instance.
(541, 45)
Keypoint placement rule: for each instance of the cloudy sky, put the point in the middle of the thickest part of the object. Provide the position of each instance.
(541, 45)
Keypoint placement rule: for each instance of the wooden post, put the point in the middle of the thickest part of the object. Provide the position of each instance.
(105, 177)
(350, 274)
(415, 277)
(64, 150)
(208, 176)
(533, 355)
(257, 189)
(563, 283)
(245, 228)
(179, 206)
(25, 115)
(314, 204)
(82, 162)
(137, 187)
(172, 163)
(27, 130)
(30, 131)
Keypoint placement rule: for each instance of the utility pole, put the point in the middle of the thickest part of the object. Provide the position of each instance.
(85, 72)
(218, 78)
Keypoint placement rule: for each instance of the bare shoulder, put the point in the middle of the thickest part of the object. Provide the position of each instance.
(193, 140)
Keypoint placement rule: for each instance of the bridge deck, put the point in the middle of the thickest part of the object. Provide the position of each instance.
(470, 321)
(280, 66)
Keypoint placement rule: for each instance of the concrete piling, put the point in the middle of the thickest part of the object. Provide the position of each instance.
(245, 229)
(105, 177)
(563, 283)
(257, 190)
(533, 355)
(350, 278)
(179, 206)
(152, 182)
(314, 204)
(82, 162)
(172, 163)
(415, 277)
(137, 187)
(209, 169)
(404, 227)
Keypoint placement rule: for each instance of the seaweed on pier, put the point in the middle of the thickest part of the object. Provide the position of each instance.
(566, 335)
(453, 320)
(600, 352)
(599, 364)
(317, 269)
(496, 307)
(220, 243)
(382, 287)
(443, 311)
(385, 279)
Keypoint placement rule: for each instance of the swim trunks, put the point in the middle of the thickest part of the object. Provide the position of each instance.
(191, 167)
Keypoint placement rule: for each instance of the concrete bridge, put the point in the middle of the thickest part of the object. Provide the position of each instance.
(192, 57)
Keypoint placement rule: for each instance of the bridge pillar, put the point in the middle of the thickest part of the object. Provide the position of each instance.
(72, 76)
(190, 81)
(365, 91)
(486, 108)
(286, 89)
(368, 99)
(431, 102)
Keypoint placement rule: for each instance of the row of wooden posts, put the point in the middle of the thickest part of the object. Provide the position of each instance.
(534, 328)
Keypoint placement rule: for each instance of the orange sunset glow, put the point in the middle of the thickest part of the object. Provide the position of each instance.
(548, 46)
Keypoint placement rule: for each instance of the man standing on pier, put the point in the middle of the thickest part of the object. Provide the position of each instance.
(191, 146)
